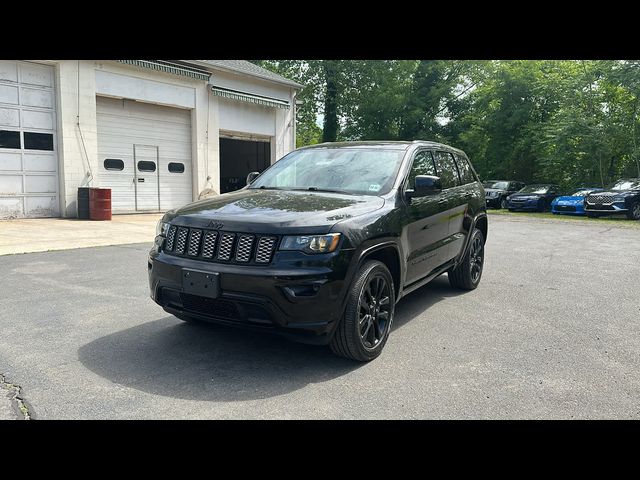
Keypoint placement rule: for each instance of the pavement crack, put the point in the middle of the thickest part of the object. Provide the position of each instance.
(17, 399)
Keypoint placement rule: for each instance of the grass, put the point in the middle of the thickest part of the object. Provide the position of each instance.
(615, 220)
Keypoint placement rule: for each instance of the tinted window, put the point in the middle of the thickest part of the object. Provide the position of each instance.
(466, 176)
(496, 185)
(113, 164)
(447, 170)
(38, 141)
(630, 184)
(367, 171)
(144, 166)
(541, 189)
(9, 139)
(176, 167)
(422, 165)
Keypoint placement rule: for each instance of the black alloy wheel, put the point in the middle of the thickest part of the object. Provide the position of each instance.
(364, 329)
(373, 311)
(467, 274)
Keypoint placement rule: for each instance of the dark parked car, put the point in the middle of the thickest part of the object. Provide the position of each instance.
(497, 191)
(536, 197)
(322, 244)
(621, 197)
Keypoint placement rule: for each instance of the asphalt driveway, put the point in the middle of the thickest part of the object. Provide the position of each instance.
(552, 332)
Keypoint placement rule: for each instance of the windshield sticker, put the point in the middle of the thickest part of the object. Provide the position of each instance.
(374, 187)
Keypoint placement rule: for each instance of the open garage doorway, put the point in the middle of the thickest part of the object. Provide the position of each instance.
(240, 157)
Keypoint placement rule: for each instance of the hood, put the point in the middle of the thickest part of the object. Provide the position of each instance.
(272, 211)
(532, 195)
(569, 199)
(494, 190)
(617, 193)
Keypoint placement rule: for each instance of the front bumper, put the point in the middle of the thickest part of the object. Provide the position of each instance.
(568, 209)
(299, 296)
(609, 209)
(493, 202)
(523, 206)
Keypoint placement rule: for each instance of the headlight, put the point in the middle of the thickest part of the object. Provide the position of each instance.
(311, 243)
(618, 199)
(161, 228)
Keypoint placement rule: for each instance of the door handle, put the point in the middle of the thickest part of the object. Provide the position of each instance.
(442, 201)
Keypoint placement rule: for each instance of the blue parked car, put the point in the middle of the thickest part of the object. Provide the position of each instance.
(572, 204)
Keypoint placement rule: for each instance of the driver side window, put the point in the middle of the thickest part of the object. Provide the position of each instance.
(422, 165)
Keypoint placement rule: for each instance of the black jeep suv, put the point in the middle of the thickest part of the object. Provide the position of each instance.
(321, 245)
(497, 191)
(621, 197)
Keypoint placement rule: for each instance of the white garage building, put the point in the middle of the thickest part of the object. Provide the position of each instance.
(153, 131)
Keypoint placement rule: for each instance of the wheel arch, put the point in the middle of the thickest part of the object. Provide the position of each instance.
(388, 254)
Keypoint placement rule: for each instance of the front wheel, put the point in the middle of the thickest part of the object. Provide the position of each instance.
(634, 212)
(466, 276)
(365, 326)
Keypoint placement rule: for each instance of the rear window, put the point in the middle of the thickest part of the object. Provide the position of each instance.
(466, 175)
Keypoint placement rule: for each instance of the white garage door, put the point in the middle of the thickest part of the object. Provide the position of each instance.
(28, 160)
(144, 154)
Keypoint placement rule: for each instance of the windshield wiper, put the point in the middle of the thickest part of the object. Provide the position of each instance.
(328, 190)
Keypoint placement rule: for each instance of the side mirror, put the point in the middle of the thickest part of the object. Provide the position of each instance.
(425, 185)
(251, 177)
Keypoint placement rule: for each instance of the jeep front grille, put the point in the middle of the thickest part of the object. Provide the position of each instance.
(181, 242)
(226, 245)
(265, 249)
(209, 245)
(243, 252)
(217, 246)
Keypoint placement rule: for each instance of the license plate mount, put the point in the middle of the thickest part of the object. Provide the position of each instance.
(203, 284)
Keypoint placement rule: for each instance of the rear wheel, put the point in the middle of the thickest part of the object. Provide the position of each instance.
(634, 211)
(466, 276)
(364, 328)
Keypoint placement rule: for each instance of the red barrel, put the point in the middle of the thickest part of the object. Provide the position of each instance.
(100, 204)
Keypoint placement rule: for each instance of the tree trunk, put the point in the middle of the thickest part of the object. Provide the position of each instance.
(330, 125)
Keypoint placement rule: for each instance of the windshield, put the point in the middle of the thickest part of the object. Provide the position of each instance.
(626, 184)
(345, 170)
(496, 185)
(535, 189)
(583, 192)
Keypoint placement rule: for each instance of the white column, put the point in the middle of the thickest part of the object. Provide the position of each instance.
(77, 130)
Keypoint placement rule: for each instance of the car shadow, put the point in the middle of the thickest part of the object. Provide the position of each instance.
(217, 363)
(423, 298)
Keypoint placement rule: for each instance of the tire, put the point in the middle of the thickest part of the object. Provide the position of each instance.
(542, 205)
(634, 211)
(512, 210)
(357, 337)
(503, 203)
(467, 275)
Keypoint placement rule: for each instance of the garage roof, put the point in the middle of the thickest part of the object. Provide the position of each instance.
(246, 68)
